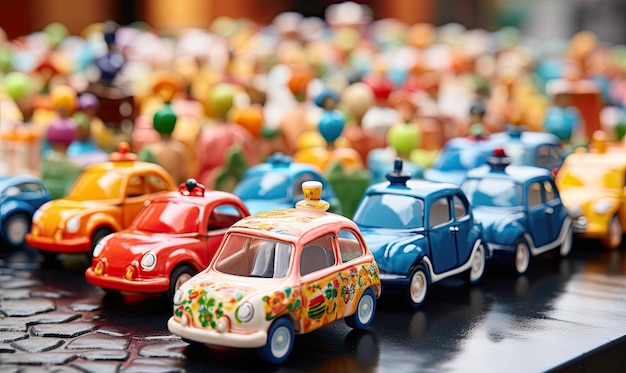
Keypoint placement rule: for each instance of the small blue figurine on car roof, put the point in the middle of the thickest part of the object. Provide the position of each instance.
(520, 210)
(420, 232)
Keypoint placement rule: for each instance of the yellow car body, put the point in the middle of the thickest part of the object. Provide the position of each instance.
(104, 199)
(593, 189)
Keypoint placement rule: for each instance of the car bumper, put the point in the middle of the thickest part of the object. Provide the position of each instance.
(70, 246)
(583, 227)
(253, 339)
(152, 285)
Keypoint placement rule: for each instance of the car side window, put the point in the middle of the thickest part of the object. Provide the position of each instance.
(534, 194)
(317, 254)
(224, 216)
(547, 155)
(549, 190)
(349, 246)
(155, 184)
(460, 209)
(439, 212)
(135, 187)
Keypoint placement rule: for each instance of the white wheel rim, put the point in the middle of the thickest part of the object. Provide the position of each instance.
(366, 305)
(566, 246)
(418, 287)
(477, 264)
(17, 230)
(281, 339)
(521, 258)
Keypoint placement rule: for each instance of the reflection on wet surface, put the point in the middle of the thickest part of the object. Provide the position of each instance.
(558, 312)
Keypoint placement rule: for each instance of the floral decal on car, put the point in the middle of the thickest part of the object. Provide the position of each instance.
(280, 302)
(207, 303)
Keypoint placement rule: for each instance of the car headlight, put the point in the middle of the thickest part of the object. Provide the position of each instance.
(37, 215)
(97, 250)
(602, 206)
(178, 295)
(245, 312)
(148, 262)
(72, 224)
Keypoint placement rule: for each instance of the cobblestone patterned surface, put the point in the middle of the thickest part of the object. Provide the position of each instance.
(47, 329)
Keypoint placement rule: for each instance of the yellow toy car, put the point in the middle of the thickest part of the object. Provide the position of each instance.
(592, 187)
(104, 199)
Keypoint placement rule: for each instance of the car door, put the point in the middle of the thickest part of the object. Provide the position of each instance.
(319, 283)
(539, 214)
(134, 198)
(555, 210)
(442, 232)
(463, 227)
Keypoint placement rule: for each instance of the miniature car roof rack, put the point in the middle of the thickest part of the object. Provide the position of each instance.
(123, 153)
(192, 187)
(499, 160)
(398, 176)
(279, 159)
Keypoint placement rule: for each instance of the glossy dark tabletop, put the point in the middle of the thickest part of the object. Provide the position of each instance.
(563, 315)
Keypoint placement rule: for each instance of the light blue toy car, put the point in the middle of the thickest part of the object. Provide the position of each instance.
(277, 184)
(20, 197)
(524, 148)
(520, 210)
(420, 232)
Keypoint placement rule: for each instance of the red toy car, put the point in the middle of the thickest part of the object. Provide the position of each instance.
(173, 238)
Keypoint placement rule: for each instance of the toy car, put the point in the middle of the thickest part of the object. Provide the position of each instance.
(524, 148)
(279, 273)
(20, 197)
(277, 184)
(173, 238)
(104, 199)
(420, 232)
(593, 189)
(520, 210)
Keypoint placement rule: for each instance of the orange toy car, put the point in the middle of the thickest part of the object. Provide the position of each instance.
(104, 199)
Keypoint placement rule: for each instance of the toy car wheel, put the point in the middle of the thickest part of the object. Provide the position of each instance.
(613, 239)
(521, 260)
(477, 268)
(418, 287)
(566, 245)
(365, 311)
(279, 342)
(15, 227)
(98, 235)
(178, 277)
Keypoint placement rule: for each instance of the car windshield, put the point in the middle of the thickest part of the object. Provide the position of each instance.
(168, 217)
(97, 184)
(493, 192)
(249, 256)
(458, 159)
(267, 186)
(592, 176)
(392, 211)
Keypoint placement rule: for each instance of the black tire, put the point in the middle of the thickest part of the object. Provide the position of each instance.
(280, 338)
(15, 227)
(365, 311)
(418, 286)
(99, 234)
(179, 275)
(521, 257)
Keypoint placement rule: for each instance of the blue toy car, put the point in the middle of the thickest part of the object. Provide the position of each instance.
(526, 148)
(278, 184)
(520, 210)
(420, 232)
(459, 155)
(20, 197)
